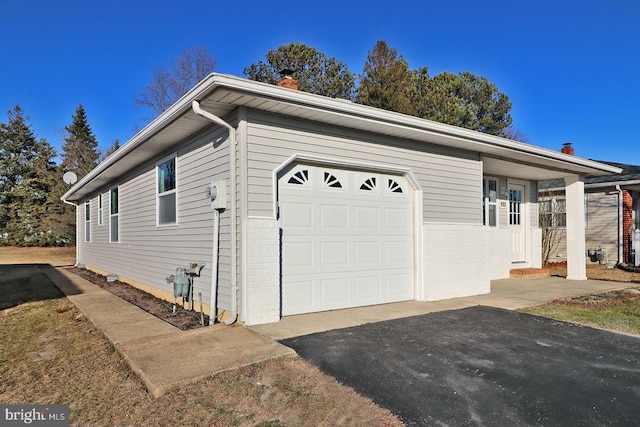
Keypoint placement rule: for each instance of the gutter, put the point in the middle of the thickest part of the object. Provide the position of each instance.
(195, 105)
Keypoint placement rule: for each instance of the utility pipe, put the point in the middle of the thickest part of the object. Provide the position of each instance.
(77, 225)
(195, 105)
(214, 268)
(620, 225)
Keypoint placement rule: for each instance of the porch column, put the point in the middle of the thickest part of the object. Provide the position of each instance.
(576, 264)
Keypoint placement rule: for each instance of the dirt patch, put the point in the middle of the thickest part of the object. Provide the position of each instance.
(182, 319)
(601, 272)
(55, 256)
(603, 299)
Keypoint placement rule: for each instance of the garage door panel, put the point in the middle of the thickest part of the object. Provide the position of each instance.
(349, 245)
(368, 288)
(334, 216)
(297, 215)
(366, 217)
(334, 291)
(367, 253)
(298, 254)
(397, 286)
(334, 253)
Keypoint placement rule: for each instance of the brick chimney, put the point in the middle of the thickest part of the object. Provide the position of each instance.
(287, 80)
(567, 149)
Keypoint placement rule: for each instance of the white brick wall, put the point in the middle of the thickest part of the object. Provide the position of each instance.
(262, 271)
(499, 253)
(456, 261)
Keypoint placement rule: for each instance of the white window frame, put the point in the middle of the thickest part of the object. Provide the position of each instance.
(100, 209)
(554, 214)
(164, 194)
(114, 216)
(486, 202)
(87, 221)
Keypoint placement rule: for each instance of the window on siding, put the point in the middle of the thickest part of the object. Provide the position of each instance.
(552, 213)
(100, 210)
(114, 216)
(166, 192)
(87, 221)
(490, 202)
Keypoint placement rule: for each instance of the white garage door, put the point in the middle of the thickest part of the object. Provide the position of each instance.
(347, 239)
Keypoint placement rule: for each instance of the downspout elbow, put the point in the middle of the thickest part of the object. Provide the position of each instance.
(195, 105)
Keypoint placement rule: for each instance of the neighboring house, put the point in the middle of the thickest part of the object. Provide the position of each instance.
(324, 204)
(612, 212)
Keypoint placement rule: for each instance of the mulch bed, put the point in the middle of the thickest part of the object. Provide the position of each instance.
(182, 319)
(603, 299)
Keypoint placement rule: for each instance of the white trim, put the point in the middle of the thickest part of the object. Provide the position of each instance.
(100, 210)
(87, 221)
(525, 215)
(116, 215)
(370, 167)
(325, 110)
(174, 191)
(486, 203)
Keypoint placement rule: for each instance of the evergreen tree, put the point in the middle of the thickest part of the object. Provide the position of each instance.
(114, 147)
(386, 81)
(27, 176)
(316, 72)
(80, 147)
(463, 100)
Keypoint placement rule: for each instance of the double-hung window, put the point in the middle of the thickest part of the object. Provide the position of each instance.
(166, 191)
(114, 216)
(87, 221)
(100, 209)
(552, 213)
(490, 202)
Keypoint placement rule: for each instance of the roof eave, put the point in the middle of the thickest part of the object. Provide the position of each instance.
(478, 141)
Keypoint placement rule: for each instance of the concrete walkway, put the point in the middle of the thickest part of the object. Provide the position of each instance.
(162, 355)
(165, 357)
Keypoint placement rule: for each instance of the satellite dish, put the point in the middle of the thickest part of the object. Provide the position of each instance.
(70, 178)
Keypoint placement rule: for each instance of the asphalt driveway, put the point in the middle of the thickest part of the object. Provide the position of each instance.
(486, 367)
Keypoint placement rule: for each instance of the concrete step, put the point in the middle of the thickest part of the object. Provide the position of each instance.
(529, 273)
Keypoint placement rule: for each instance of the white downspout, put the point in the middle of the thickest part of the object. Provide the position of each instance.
(77, 225)
(195, 105)
(620, 225)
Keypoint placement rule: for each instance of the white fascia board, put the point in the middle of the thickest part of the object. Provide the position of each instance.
(477, 141)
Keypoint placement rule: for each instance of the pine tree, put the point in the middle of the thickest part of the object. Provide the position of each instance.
(80, 147)
(386, 81)
(315, 72)
(27, 176)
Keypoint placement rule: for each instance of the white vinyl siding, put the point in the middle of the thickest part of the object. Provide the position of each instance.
(114, 216)
(87, 221)
(151, 253)
(167, 201)
(450, 179)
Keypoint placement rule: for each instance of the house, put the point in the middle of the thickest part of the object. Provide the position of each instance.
(612, 212)
(300, 203)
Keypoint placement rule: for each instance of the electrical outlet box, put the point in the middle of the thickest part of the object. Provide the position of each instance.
(217, 193)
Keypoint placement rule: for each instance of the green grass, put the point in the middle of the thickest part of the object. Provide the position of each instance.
(620, 316)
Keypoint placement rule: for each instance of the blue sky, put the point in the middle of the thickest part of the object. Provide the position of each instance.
(570, 68)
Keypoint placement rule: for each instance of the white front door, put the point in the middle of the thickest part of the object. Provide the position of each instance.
(347, 239)
(517, 222)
